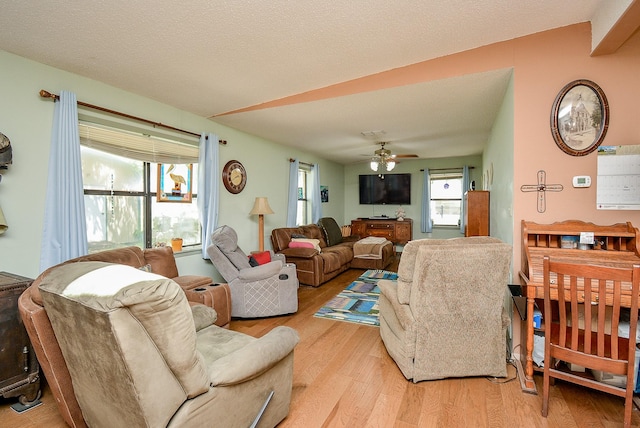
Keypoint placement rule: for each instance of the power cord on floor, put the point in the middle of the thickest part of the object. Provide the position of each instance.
(499, 380)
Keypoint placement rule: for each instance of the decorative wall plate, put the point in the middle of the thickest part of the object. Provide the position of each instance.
(5, 151)
(579, 117)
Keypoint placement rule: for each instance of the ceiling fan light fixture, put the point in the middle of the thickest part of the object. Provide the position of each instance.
(390, 165)
(374, 165)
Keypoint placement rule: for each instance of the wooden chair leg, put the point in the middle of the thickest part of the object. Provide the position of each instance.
(628, 407)
(545, 394)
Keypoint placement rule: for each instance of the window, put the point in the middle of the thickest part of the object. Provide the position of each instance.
(446, 199)
(120, 196)
(304, 201)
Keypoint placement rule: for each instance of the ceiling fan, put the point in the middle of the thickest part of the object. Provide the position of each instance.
(383, 157)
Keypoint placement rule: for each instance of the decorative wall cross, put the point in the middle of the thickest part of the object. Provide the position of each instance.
(541, 188)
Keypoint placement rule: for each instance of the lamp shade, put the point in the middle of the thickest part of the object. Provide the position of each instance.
(261, 206)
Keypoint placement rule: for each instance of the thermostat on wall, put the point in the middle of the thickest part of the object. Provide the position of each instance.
(581, 181)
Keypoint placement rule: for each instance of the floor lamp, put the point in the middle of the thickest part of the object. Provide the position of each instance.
(260, 208)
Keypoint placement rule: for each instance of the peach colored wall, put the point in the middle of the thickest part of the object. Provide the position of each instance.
(543, 64)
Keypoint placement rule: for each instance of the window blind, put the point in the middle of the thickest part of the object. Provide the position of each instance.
(137, 146)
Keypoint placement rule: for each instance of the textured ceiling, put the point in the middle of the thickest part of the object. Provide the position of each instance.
(212, 56)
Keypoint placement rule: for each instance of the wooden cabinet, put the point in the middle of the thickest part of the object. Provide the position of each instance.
(398, 232)
(477, 214)
(19, 369)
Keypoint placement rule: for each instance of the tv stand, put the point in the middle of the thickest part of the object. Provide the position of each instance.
(398, 232)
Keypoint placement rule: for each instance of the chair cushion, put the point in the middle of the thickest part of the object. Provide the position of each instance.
(407, 266)
(161, 260)
(126, 324)
(262, 258)
(299, 244)
(332, 231)
(313, 231)
(309, 243)
(226, 239)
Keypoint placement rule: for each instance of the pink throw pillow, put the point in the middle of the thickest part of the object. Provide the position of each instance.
(295, 244)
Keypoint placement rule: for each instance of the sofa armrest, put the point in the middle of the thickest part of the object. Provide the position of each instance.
(162, 261)
(203, 316)
(278, 256)
(255, 358)
(49, 355)
(403, 312)
(189, 282)
(301, 253)
(260, 272)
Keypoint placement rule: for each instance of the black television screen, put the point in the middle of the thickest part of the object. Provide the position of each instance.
(378, 189)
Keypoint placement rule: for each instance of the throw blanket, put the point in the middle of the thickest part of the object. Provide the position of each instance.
(369, 247)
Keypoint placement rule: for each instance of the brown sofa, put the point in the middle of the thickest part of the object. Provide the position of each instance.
(335, 256)
(38, 325)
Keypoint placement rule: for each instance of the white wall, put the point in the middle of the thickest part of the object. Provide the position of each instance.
(26, 119)
(497, 160)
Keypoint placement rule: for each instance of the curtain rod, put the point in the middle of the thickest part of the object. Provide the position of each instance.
(447, 169)
(303, 163)
(47, 94)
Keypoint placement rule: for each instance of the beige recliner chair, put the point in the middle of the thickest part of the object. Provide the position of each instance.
(445, 316)
(256, 291)
(138, 356)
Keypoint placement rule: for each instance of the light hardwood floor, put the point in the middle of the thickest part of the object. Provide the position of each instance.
(343, 377)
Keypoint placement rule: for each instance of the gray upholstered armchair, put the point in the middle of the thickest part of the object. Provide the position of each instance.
(256, 291)
(138, 355)
(445, 316)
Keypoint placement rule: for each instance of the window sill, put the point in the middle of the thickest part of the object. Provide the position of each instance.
(188, 251)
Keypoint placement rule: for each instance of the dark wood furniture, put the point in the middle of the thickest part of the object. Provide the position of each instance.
(477, 213)
(579, 288)
(616, 247)
(19, 369)
(396, 231)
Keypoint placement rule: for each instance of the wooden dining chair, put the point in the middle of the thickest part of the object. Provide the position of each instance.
(590, 289)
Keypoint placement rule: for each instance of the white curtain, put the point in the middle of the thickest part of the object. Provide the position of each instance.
(425, 218)
(292, 206)
(465, 187)
(316, 201)
(208, 194)
(64, 232)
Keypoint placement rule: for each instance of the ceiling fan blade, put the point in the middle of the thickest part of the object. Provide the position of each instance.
(385, 155)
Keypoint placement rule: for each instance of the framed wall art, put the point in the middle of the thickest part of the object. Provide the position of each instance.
(174, 182)
(324, 193)
(580, 117)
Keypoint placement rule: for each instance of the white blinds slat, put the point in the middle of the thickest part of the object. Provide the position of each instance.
(137, 146)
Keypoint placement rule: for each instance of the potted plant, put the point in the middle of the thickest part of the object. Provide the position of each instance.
(176, 244)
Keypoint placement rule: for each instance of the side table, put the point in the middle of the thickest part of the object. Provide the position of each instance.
(19, 368)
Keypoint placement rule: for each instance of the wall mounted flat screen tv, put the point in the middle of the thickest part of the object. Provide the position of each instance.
(387, 189)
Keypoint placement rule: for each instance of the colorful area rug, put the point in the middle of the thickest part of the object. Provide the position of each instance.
(358, 303)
